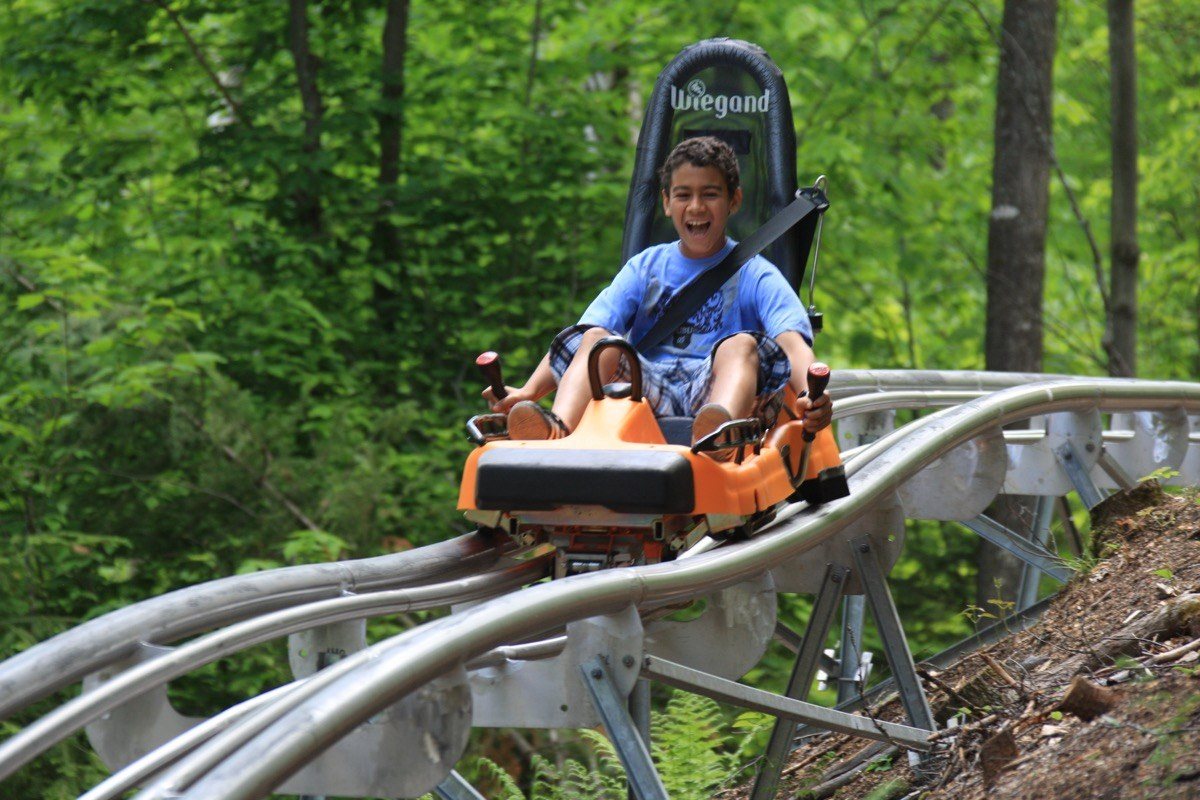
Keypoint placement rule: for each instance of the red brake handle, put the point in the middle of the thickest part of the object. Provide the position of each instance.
(489, 365)
(818, 379)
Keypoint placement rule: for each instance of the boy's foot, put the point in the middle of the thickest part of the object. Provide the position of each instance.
(530, 422)
(708, 419)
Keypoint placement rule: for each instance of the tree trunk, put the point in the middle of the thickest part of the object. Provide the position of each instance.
(1020, 187)
(386, 238)
(1017, 238)
(305, 196)
(1121, 339)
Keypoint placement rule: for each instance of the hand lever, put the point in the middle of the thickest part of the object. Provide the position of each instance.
(489, 365)
(818, 379)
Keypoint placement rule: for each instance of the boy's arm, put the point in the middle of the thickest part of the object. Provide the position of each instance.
(613, 309)
(816, 415)
(540, 384)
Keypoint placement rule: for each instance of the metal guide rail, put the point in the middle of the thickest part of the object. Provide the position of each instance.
(948, 465)
(67, 657)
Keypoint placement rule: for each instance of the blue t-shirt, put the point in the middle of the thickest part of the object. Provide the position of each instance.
(756, 298)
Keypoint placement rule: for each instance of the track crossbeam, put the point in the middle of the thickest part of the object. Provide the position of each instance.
(737, 694)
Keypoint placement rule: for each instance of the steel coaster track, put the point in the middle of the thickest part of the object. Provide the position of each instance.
(250, 758)
(134, 681)
(66, 658)
(110, 638)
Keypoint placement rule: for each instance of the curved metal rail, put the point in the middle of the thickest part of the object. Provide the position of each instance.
(69, 656)
(149, 765)
(70, 717)
(253, 756)
(850, 382)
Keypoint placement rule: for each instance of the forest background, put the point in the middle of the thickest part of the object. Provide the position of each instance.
(247, 252)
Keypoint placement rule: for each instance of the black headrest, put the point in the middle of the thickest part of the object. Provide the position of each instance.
(733, 90)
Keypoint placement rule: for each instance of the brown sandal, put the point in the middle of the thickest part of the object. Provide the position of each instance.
(527, 421)
(708, 419)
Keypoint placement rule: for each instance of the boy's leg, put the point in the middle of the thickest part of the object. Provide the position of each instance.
(574, 388)
(735, 375)
(528, 420)
(733, 389)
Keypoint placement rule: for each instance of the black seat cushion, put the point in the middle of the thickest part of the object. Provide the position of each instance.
(629, 481)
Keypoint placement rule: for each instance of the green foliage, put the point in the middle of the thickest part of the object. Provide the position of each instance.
(688, 746)
(693, 756)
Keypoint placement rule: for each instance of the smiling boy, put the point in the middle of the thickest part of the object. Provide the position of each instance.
(733, 356)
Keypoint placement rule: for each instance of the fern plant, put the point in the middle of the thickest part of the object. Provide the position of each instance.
(689, 748)
(694, 757)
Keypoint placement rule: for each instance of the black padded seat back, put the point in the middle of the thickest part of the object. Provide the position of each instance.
(730, 89)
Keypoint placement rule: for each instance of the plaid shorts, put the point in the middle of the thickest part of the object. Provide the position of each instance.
(675, 391)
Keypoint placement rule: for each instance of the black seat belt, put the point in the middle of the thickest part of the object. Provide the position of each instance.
(808, 206)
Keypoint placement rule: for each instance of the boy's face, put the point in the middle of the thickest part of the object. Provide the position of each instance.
(699, 204)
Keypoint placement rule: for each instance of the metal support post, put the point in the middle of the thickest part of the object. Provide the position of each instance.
(1073, 465)
(1040, 535)
(852, 651)
(455, 787)
(812, 647)
(644, 781)
(1014, 623)
(895, 647)
(639, 712)
(313, 650)
(1032, 553)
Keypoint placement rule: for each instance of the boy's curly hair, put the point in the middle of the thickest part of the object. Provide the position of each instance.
(702, 151)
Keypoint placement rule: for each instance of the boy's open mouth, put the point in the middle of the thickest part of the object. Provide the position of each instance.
(698, 228)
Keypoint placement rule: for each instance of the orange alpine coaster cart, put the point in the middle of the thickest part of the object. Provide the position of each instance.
(615, 492)
(626, 488)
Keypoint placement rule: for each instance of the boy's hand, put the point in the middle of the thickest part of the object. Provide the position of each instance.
(816, 415)
(513, 397)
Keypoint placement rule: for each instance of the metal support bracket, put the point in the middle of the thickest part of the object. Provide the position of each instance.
(737, 694)
(895, 646)
(865, 428)
(1035, 467)
(512, 693)
(1189, 467)
(456, 787)
(1030, 552)
(728, 638)
(811, 649)
(610, 704)
(1142, 443)
(1078, 471)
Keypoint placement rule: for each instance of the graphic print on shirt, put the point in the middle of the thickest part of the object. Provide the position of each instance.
(705, 320)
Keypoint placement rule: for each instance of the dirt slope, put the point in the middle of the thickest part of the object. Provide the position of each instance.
(1126, 632)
